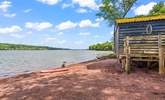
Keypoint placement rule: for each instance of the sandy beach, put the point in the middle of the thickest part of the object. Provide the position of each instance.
(94, 80)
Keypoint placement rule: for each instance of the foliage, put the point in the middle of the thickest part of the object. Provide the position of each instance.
(112, 9)
(102, 46)
(158, 9)
(4, 46)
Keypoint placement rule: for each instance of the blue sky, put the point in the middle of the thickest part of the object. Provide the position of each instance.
(58, 23)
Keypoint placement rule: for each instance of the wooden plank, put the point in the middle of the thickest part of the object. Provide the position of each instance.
(150, 46)
(144, 55)
(147, 37)
(117, 40)
(144, 50)
(142, 31)
(144, 47)
(134, 28)
(138, 59)
(127, 61)
(161, 57)
(142, 24)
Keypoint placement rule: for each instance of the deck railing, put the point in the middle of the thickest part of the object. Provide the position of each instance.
(144, 48)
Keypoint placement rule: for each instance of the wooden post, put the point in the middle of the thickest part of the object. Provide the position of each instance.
(125, 50)
(127, 61)
(117, 41)
(161, 56)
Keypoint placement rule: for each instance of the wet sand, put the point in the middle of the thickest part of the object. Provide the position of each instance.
(96, 80)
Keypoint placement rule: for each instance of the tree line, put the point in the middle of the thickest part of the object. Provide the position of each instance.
(5, 46)
(102, 46)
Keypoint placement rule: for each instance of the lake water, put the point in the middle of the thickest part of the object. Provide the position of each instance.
(18, 62)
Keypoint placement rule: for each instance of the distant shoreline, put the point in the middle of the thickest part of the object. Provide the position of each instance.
(7, 46)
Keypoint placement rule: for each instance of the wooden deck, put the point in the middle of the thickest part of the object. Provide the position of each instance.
(146, 48)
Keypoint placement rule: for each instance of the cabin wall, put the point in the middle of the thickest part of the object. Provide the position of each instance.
(136, 29)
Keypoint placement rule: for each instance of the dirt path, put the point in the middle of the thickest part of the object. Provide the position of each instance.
(102, 80)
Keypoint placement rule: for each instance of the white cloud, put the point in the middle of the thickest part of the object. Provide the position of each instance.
(99, 20)
(81, 10)
(5, 5)
(86, 3)
(66, 25)
(65, 5)
(49, 2)
(12, 29)
(144, 9)
(88, 23)
(85, 33)
(10, 15)
(112, 32)
(60, 33)
(27, 10)
(38, 26)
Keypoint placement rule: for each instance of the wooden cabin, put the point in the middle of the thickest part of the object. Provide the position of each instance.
(140, 39)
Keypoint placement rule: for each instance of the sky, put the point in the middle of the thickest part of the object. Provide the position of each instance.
(58, 23)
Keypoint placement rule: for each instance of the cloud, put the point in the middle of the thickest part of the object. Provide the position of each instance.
(65, 5)
(144, 9)
(10, 15)
(111, 32)
(27, 10)
(5, 5)
(66, 25)
(82, 24)
(60, 33)
(81, 10)
(50, 39)
(85, 33)
(86, 3)
(49, 2)
(38, 26)
(12, 29)
(99, 20)
(88, 23)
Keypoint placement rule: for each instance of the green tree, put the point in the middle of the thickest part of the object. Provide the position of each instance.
(102, 46)
(158, 9)
(112, 9)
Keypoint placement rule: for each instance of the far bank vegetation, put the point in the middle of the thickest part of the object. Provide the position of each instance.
(106, 46)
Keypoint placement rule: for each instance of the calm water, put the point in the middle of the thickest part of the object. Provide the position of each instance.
(17, 62)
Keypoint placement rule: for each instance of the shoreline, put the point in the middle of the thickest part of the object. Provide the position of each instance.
(94, 80)
(16, 65)
(53, 68)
